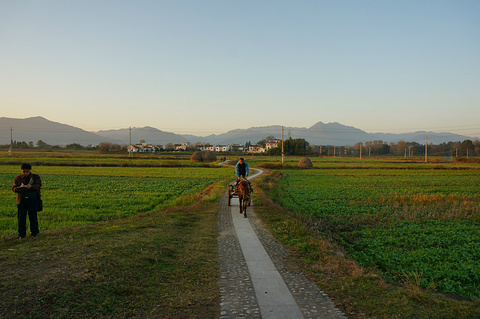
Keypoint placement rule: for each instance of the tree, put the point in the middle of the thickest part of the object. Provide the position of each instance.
(74, 146)
(105, 146)
(357, 147)
(42, 144)
(110, 147)
(467, 147)
(476, 145)
(399, 148)
(383, 149)
(291, 146)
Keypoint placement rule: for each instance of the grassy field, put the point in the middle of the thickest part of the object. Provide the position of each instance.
(99, 159)
(144, 242)
(80, 195)
(393, 233)
(384, 238)
(156, 265)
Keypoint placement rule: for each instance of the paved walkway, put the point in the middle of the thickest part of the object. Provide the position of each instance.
(255, 281)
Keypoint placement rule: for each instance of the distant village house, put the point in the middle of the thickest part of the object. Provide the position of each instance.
(143, 148)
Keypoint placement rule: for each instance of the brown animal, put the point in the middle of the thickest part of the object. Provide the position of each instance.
(243, 196)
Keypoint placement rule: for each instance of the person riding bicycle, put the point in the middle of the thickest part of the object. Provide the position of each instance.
(242, 170)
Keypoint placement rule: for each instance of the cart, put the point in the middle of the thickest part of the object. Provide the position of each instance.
(232, 192)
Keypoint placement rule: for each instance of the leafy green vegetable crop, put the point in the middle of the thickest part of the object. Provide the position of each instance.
(399, 221)
(82, 195)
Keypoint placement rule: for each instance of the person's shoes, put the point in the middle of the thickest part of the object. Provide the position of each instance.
(20, 237)
(34, 235)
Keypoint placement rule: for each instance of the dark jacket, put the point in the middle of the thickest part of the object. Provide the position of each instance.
(242, 170)
(36, 184)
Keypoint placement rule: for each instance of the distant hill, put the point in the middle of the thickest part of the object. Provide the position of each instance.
(39, 128)
(320, 133)
(151, 135)
(327, 134)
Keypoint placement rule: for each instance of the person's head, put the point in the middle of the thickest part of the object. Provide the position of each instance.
(241, 160)
(26, 168)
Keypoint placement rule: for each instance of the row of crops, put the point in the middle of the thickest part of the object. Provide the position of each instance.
(405, 223)
(82, 195)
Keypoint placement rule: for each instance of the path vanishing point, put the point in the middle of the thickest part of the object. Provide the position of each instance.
(255, 279)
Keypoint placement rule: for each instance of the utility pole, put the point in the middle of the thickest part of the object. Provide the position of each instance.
(426, 149)
(334, 151)
(360, 146)
(130, 153)
(282, 145)
(11, 142)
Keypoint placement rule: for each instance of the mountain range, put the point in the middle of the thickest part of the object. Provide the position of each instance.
(53, 133)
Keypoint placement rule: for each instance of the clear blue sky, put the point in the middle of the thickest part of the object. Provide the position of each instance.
(201, 67)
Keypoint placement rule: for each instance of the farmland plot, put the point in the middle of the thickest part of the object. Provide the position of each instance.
(83, 195)
(422, 223)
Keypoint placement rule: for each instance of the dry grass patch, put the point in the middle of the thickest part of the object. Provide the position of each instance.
(158, 265)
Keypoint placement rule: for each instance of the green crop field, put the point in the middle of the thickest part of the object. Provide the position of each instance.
(81, 195)
(98, 159)
(406, 220)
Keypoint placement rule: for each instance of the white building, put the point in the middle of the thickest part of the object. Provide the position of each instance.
(272, 144)
(256, 149)
(222, 148)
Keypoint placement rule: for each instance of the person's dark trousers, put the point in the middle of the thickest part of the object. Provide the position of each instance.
(28, 206)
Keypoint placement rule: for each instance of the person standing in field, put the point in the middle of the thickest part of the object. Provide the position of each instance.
(27, 186)
(242, 170)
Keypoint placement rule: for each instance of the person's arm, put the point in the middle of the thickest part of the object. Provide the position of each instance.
(247, 170)
(37, 182)
(16, 183)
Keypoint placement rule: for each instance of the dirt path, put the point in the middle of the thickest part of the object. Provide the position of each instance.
(255, 281)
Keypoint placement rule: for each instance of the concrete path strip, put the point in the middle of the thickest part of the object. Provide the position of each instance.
(255, 279)
(273, 296)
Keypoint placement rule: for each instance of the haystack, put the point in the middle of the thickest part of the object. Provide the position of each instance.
(305, 162)
(196, 157)
(209, 157)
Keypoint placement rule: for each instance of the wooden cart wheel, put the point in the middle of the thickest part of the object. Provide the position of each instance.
(230, 194)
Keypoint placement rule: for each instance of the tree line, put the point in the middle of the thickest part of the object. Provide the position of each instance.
(300, 146)
(45, 146)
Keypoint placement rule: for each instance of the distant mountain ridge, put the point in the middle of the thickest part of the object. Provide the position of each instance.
(38, 128)
(53, 133)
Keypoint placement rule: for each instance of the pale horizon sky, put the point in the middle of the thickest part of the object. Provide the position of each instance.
(207, 67)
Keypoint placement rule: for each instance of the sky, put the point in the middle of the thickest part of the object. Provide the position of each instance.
(207, 67)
